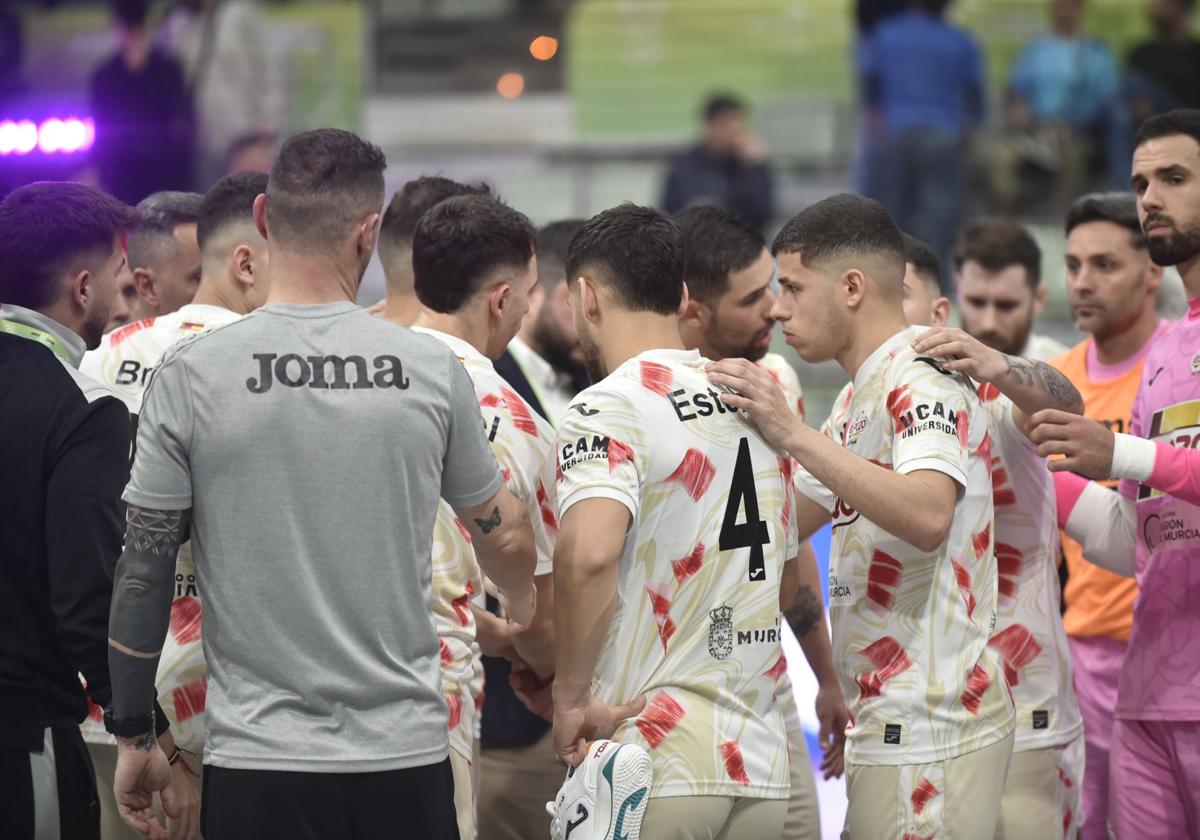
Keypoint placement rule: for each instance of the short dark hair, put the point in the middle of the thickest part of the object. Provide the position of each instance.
(131, 13)
(461, 241)
(716, 243)
(637, 252)
(720, 104)
(159, 214)
(230, 201)
(843, 225)
(997, 243)
(924, 260)
(411, 202)
(1180, 121)
(553, 241)
(1120, 208)
(322, 184)
(49, 228)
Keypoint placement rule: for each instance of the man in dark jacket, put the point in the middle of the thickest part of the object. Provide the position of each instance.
(726, 168)
(64, 443)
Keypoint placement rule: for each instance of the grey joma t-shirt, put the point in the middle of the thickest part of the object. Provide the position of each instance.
(311, 444)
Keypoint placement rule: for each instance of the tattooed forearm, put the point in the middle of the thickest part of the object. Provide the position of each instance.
(1038, 376)
(1060, 388)
(803, 615)
(143, 588)
(157, 532)
(491, 523)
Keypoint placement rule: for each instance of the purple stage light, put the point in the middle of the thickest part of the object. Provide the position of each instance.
(27, 137)
(65, 135)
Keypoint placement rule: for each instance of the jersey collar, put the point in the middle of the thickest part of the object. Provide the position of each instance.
(687, 358)
(884, 351)
(463, 349)
(64, 343)
(205, 313)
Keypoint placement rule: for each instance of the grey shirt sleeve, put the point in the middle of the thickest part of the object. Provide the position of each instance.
(162, 476)
(470, 474)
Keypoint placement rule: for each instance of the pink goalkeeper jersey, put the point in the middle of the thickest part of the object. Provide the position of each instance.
(1161, 676)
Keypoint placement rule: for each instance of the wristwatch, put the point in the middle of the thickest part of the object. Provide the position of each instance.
(129, 727)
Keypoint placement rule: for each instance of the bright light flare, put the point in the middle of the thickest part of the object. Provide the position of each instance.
(510, 85)
(543, 47)
(56, 135)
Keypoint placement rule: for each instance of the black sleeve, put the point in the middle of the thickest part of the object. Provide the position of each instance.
(83, 535)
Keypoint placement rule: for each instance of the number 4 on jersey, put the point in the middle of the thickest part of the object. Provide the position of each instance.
(752, 533)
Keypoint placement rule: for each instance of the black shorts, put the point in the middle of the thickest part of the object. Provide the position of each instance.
(416, 803)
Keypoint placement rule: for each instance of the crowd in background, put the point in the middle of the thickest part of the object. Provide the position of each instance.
(1065, 121)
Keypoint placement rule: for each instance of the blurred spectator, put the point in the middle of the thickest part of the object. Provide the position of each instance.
(1059, 100)
(922, 87)
(235, 83)
(726, 168)
(1164, 72)
(140, 104)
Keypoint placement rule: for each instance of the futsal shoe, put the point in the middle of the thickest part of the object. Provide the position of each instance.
(605, 797)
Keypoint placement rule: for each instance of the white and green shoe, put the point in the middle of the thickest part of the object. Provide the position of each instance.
(605, 797)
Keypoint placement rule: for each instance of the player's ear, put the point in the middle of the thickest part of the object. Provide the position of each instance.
(79, 287)
(685, 300)
(368, 232)
(242, 263)
(692, 312)
(939, 312)
(1039, 299)
(853, 285)
(143, 281)
(260, 214)
(499, 298)
(589, 299)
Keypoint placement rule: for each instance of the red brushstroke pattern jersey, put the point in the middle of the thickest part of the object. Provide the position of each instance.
(697, 624)
(523, 444)
(1029, 636)
(910, 627)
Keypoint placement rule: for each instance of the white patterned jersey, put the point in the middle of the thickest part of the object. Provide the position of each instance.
(697, 622)
(123, 362)
(523, 444)
(1029, 636)
(787, 378)
(834, 426)
(128, 354)
(911, 628)
(789, 381)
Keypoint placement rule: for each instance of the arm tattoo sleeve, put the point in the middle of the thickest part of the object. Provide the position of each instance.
(805, 613)
(1043, 377)
(142, 593)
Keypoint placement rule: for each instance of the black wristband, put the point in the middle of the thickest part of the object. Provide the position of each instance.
(129, 727)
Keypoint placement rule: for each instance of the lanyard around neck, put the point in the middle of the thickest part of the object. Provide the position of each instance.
(40, 336)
